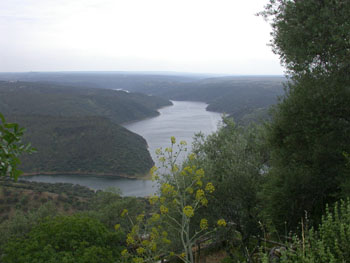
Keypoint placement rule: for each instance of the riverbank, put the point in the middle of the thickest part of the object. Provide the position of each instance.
(146, 176)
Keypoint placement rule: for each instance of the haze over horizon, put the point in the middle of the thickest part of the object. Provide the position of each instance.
(218, 37)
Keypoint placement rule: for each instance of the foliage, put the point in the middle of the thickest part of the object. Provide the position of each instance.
(20, 223)
(11, 147)
(311, 35)
(310, 126)
(83, 145)
(234, 160)
(65, 239)
(76, 130)
(181, 194)
(24, 196)
(236, 96)
(330, 243)
(308, 135)
(107, 207)
(26, 98)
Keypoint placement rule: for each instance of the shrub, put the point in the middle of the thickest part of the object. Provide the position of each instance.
(67, 239)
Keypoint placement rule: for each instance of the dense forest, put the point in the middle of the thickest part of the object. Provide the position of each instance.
(276, 191)
(77, 130)
(245, 98)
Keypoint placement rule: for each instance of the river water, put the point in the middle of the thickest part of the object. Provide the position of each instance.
(182, 120)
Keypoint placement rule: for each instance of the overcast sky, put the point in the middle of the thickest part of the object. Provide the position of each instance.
(206, 36)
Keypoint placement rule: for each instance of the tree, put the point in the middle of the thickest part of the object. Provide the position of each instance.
(234, 159)
(182, 193)
(310, 126)
(65, 239)
(11, 147)
(311, 35)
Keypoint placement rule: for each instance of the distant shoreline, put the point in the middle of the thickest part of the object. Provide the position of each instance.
(94, 174)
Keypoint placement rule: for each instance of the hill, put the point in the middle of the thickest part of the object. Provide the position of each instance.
(23, 98)
(243, 97)
(77, 131)
(82, 145)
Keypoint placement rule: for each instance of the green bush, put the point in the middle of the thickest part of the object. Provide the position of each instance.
(330, 243)
(66, 239)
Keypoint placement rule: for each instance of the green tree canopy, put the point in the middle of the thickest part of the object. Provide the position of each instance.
(311, 35)
(234, 159)
(310, 126)
(65, 239)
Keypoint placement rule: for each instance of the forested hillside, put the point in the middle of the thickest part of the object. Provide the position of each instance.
(82, 145)
(51, 99)
(76, 130)
(260, 193)
(245, 98)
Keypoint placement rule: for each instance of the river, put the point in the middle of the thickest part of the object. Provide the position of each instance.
(182, 120)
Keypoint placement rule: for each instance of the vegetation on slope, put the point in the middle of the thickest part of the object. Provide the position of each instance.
(236, 96)
(75, 130)
(310, 127)
(82, 145)
(276, 178)
(26, 98)
(57, 222)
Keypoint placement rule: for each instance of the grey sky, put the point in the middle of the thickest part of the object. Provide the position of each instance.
(209, 36)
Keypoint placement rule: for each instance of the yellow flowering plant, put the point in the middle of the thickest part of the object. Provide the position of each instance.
(147, 239)
(181, 193)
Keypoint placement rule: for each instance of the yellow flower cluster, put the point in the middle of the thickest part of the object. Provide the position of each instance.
(199, 194)
(210, 188)
(167, 189)
(130, 240)
(175, 168)
(153, 246)
(140, 250)
(135, 229)
(186, 171)
(189, 190)
(158, 151)
(153, 170)
(154, 233)
(124, 213)
(183, 143)
(221, 222)
(175, 202)
(163, 209)
(145, 243)
(137, 260)
(124, 252)
(116, 227)
(140, 217)
(168, 150)
(192, 156)
(200, 172)
(203, 224)
(155, 217)
(153, 199)
(166, 241)
(188, 211)
(173, 140)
